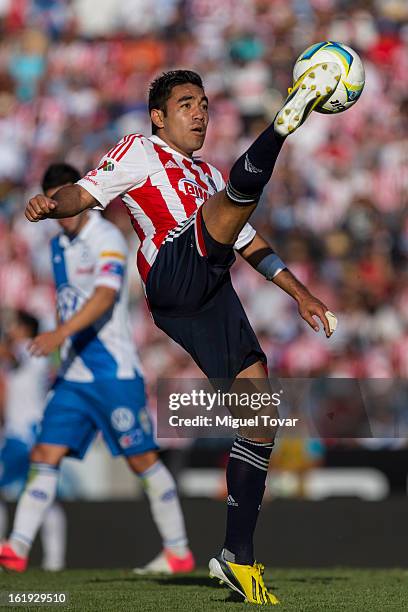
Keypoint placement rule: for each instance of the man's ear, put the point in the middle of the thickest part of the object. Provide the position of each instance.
(157, 116)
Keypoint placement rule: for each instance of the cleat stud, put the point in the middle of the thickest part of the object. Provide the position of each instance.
(290, 89)
(329, 89)
(312, 75)
(280, 121)
(318, 93)
(313, 87)
(324, 66)
(303, 86)
(296, 118)
(337, 77)
(287, 111)
(290, 128)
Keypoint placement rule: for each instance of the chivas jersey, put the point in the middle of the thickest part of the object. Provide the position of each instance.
(160, 187)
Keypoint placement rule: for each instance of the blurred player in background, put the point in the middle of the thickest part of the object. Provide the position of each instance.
(26, 388)
(189, 224)
(99, 386)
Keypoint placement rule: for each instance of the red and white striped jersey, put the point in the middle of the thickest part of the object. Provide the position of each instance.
(160, 187)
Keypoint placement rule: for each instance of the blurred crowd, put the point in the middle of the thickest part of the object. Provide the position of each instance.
(74, 76)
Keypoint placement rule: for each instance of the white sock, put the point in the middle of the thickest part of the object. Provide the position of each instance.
(37, 497)
(53, 538)
(3, 519)
(165, 507)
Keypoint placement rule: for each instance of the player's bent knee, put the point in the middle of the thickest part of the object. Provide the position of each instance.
(48, 453)
(141, 463)
(240, 199)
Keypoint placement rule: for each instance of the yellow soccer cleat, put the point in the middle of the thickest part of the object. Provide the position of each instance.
(311, 89)
(247, 580)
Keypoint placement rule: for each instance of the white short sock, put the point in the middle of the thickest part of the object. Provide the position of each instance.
(161, 491)
(37, 497)
(53, 538)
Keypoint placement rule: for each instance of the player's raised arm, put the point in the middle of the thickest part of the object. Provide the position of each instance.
(67, 202)
(263, 258)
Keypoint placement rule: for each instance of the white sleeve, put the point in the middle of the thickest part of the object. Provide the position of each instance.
(245, 236)
(247, 233)
(111, 260)
(121, 169)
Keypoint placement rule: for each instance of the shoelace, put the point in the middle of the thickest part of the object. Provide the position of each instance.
(260, 569)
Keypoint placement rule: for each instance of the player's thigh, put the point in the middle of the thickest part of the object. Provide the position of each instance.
(223, 219)
(123, 418)
(68, 422)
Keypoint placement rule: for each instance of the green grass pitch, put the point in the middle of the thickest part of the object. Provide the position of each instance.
(328, 590)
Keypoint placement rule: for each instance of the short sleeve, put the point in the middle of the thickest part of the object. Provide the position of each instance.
(124, 167)
(245, 236)
(111, 260)
(217, 177)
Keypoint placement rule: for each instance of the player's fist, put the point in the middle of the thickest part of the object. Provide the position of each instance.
(39, 207)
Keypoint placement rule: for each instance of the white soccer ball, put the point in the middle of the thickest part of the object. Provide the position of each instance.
(352, 78)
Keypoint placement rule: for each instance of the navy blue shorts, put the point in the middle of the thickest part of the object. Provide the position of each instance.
(192, 300)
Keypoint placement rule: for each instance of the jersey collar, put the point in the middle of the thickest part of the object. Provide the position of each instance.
(93, 218)
(156, 140)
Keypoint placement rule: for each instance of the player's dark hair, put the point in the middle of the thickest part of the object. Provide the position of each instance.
(161, 88)
(59, 174)
(29, 322)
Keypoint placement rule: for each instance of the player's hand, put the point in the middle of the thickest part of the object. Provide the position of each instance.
(46, 343)
(310, 307)
(39, 207)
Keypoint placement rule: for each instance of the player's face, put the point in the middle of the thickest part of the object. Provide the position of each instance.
(70, 225)
(185, 122)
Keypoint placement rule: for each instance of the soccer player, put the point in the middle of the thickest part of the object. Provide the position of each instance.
(99, 385)
(23, 409)
(189, 224)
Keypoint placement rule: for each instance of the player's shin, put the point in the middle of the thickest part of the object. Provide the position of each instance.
(37, 497)
(53, 538)
(165, 506)
(252, 171)
(246, 475)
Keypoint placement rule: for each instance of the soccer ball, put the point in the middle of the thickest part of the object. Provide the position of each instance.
(352, 78)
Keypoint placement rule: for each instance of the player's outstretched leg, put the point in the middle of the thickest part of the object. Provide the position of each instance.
(161, 491)
(226, 213)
